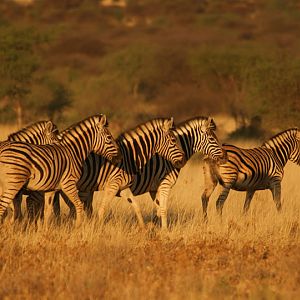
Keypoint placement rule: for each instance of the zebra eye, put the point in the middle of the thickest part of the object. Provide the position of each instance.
(173, 139)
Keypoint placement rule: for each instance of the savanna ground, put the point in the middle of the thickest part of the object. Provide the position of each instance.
(255, 256)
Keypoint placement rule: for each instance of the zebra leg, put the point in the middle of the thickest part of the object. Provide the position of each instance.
(35, 206)
(276, 192)
(221, 200)
(248, 199)
(6, 199)
(210, 183)
(72, 210)
(133, 201)
(157, 218)
(87, 200)
(56, 206)
(16, 208)
(162, 197)
(72, 193)
(48, 209)
(109, 193)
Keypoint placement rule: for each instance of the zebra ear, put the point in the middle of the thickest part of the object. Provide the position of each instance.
(211, 124)
(168, 124)
(49, 126)
(103, 121)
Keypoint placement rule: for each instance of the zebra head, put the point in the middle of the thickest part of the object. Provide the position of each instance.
(207, 142)
(51, 133)
(168, 147)
(295, 154)
(39, 133)
(104, 143)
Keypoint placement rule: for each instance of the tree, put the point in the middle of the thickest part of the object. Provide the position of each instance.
(18, 63)
(49, 98)
(59, 100)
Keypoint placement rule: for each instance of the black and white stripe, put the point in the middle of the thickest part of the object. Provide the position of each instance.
(252, 169)
(54, 167)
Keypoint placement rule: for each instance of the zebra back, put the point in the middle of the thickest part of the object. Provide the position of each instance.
(285, 145)
(90, 135)
(39, 133)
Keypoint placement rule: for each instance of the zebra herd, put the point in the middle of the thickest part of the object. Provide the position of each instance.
(84, 158)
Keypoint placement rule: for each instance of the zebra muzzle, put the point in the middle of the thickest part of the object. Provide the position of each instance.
(222, 159)
(180, 163)
(116, 159)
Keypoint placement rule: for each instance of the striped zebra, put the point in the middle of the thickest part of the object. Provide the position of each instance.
(159, 176)
(38, 133)
(137, 147)
(56, 166)
(252, 169)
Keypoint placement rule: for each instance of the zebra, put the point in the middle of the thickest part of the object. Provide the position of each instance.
(159, 176)
(56, 166)
(252, 169)
(137, 146)
(39, 133)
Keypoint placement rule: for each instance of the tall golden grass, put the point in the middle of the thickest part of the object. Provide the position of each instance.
(255, 256)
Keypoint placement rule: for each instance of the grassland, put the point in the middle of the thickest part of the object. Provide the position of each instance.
(236, 257)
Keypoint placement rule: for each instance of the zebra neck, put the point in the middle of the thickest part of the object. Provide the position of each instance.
(77, 148)
(281, 150)
(185, 137)
(32, 137)
(33, 134)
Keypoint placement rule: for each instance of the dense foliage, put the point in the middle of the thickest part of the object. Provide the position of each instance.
(67, 59)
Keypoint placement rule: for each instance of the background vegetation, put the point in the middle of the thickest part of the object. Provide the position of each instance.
(66, 59)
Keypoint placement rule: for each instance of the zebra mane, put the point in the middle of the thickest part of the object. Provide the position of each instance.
(211, 125)
(86, 121)
(290, 131)
(40, 125)
(143, 128)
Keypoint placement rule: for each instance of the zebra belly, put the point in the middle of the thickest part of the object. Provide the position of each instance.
(251, 185)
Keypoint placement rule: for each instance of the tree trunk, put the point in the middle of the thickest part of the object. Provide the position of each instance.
(19, 112)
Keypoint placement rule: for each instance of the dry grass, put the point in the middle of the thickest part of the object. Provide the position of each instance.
(254, 257)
